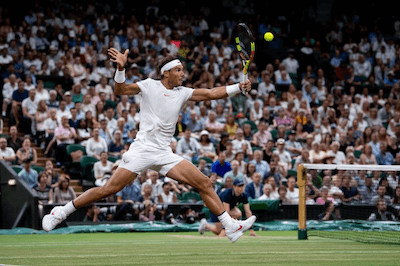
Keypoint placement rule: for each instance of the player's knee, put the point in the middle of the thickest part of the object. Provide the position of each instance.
(109, 189)
(205, 184)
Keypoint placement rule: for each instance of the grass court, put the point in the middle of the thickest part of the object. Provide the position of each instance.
(189, 248)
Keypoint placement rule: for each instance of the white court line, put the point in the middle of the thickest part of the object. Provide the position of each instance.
(138, 243)
(206, 253)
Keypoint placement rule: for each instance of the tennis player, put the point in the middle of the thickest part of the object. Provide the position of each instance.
(161, 102)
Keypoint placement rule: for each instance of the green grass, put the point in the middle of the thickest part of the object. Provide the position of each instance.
(189, 248)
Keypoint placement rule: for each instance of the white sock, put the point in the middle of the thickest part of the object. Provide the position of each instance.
(69, 208)
(225, 219)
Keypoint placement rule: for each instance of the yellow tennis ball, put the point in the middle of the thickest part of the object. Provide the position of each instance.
(268, 36)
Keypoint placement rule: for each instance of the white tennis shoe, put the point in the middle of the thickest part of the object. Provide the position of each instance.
(55, 217)
(237, 228)
(202, 227)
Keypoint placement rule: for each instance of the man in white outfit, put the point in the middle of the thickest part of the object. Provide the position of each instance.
(161, 102)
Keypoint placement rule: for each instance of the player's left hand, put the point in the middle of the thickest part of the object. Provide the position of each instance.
(245, 86)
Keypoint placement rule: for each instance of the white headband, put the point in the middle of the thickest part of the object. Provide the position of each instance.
(170, 65)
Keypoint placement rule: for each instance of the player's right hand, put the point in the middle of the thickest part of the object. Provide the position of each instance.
(117, 57)
(245, 86)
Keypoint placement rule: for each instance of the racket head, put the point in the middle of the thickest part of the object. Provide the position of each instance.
(244, 42)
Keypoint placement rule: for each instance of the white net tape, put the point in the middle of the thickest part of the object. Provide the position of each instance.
(352, 167)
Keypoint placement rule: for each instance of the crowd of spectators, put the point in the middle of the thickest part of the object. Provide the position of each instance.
(324, 98)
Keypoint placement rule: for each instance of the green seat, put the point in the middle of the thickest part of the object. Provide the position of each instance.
(3, 135)
(75, 147)
(293, 162)
(207, 159)
(292, 172)
(50, 85)
(87, 163)
(357, 154)
(112, 159)
(17, 169)
(274, 133)
(191, 197)
(37, 168)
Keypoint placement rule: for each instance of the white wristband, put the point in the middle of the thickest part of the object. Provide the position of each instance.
(119, 76)
(232, 89)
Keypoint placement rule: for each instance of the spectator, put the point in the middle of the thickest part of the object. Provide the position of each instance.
(328, 213)
(262, 166)
(167, 196)
(234, 173)
(350, 193)
(292, 193)
(282, 190)
(207, 146)
(117, 145)
(202, 166)
(7, 92)
(64, 192)
(220, 166)
(292, 146)
(28, 174)
(381, 213)
(188, 147)
(43, 191)
(284, 156)
(368, 191)
(230, 126)
(155, 182)
(26, 152)
(7, 154)
(381, 195)
(384, 157)
(102, 169)
(339, 156)
(13, 140)
(240, 144)
(262, 136)
(254, 189)
(64, 135)
(367, 157)
(95, 145)
(41, 115)
(17, 97)
(267, 193)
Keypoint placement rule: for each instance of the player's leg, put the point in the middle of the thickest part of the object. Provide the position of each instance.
(215, 226)
(186, 172)
(116, 183)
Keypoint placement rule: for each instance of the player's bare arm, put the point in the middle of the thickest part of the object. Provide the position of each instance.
(218, 92)
(121, 88)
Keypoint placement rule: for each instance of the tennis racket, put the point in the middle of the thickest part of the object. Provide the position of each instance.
(245, 46)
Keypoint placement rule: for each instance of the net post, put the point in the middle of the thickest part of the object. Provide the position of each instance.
(301, 183)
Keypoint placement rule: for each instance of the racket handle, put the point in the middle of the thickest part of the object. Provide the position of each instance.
(244, 80)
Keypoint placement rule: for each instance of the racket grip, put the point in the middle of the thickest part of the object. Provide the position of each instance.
(245, 76)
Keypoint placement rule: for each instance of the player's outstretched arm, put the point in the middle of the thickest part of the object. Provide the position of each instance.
(220, 92)
(120, 87)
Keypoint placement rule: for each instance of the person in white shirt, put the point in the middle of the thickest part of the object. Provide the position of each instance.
(96, 144)
(161, 103)
(102, 169)
(8, 89)
(362, 67)
(339, 156)
(266, 86)
(6, 153)
(107, 89)
(63, 111)
(292, 193)
(41, 92)
(291, 63)
(29, 107)
(284, 156)
(267, 193)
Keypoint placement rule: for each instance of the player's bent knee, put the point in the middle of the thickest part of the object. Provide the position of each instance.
(205, 184)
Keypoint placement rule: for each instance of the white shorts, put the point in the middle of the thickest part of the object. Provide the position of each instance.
(138, 159)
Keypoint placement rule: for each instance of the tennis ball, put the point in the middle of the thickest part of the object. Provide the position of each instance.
(268, 36)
